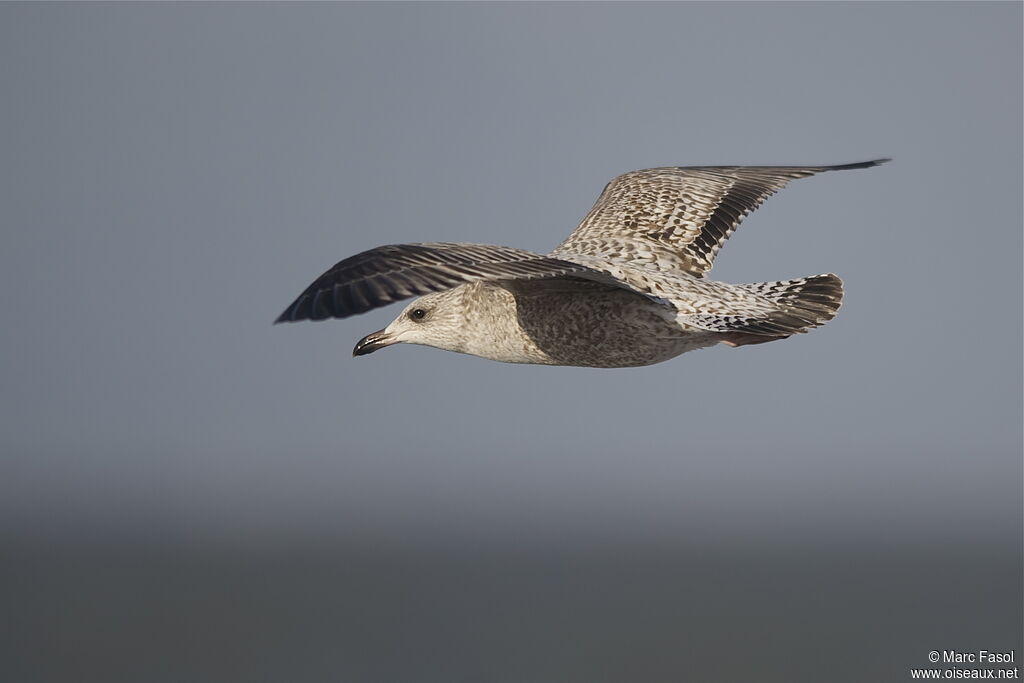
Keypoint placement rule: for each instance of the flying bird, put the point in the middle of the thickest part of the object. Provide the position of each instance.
(627, 288)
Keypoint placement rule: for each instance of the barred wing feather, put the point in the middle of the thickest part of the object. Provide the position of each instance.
(676, 219)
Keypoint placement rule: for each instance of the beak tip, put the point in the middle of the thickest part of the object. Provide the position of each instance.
(370, 343)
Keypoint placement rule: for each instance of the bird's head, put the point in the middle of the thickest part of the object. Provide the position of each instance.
(433, 320)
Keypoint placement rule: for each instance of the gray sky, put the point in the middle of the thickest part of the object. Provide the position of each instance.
(174, 174)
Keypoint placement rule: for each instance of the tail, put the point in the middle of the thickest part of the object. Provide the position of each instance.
(799, 305)
(813, 301)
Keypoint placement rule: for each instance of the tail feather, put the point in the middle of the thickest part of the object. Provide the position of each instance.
(784, 308)
(803, 303)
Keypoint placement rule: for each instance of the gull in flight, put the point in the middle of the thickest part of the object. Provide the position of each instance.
(626, 288)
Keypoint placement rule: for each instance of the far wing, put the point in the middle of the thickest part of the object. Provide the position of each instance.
(678, 218)
(390, 273)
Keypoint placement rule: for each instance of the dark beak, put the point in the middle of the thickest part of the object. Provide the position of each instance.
(372, 342)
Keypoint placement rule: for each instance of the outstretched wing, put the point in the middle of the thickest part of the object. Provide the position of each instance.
(386, 274)
(678, 218)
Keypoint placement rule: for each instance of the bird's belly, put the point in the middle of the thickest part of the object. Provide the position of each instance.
(610, 329)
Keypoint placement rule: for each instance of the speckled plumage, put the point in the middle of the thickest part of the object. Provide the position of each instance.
(626, 288)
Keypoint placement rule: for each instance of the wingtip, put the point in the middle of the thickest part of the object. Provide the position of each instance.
(860, 164)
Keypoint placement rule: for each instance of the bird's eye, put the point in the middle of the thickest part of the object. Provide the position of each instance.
(417, 314)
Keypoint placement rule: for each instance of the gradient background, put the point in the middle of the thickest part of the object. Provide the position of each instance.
(190, 494)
